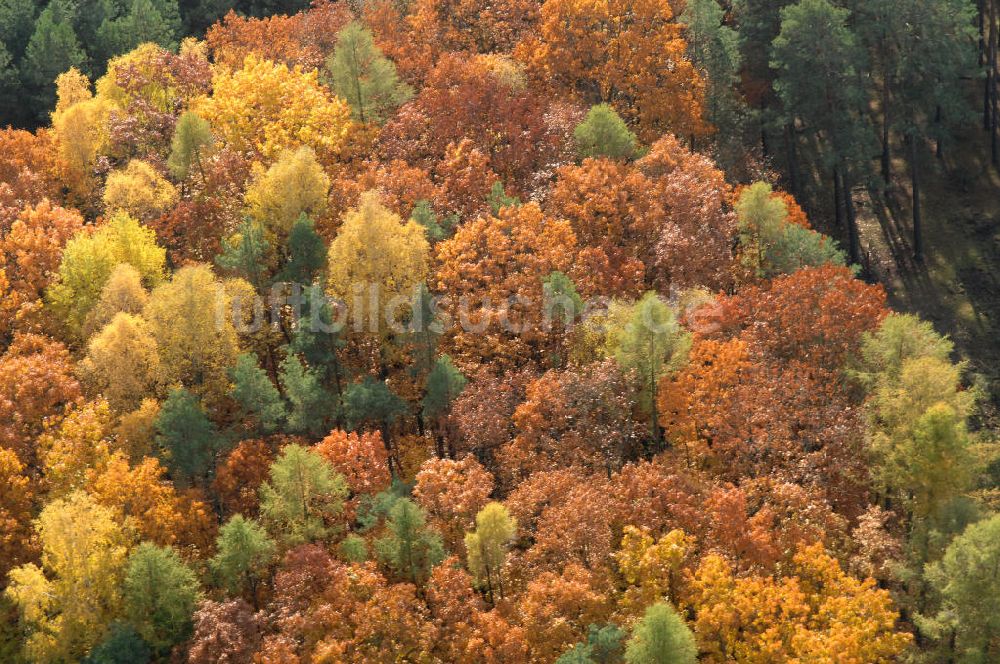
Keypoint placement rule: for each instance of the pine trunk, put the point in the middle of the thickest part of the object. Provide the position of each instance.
(852, 222)
(918, 233)
(992, 80)
(886, 124)
(793, 160)
(837, 209)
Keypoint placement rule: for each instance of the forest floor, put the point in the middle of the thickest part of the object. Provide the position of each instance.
(957, 285)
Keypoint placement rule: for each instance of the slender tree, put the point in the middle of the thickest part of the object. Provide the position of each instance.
(819, 62)
(365, 77)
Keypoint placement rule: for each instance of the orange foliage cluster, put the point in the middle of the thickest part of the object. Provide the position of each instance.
(302, 39)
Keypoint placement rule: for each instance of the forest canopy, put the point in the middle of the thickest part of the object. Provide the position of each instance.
(454, 331)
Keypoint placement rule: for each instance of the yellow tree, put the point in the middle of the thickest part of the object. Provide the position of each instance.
(122, 362)
(376, 252)
(89, 259)
(651, 568)
(80, 128)
(292, 186)
(123, 292)
(138, 190)
(486, 548)
(265, 108)
(81, 444)
(817, 613)
(917, 434)
(630, 53)
(192, 323)
(66, 604)
(16, 502)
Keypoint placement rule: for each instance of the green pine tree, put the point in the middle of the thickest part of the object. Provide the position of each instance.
(254, 391)
(317, 338)
(122, 645)
(651, 343)
(306, 253)
(604, 645)
(156, 21)
(498, 198)
(967, 587)
(189, 439)
(372, 401)
(714, 47)
(437, 229)
(245, 253)
(365, 77)
(303, 496)
(17, 23)
(52, 49)
(243, 554)
(604, 134)
(819, 61)
(661, 637)
(192, 136)
(161, 593)
(444, 383)
(312, 406)
(410, 548)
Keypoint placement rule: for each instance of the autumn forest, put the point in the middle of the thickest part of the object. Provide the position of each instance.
(454, 331)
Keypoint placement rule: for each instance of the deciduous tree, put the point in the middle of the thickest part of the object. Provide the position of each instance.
(89, 258)
(453, 492)
(496, 265)
(294, 185)
(633, 56)
(68, 602)
(224, 632)
(138, 190)
(30, 253)
(197, 346)
(17, 544)
(36, 382)
(122, 363)
(82, 443)
(266, 108)
(376, 250)
(361, 457)
(486, 548)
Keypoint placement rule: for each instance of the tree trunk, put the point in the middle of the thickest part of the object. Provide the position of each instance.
(918, 232)
(765, 150)
(939, 143)
(793, 160)
(992, 78)
(981, 22)
(837, 209)
(854, 247)
(990, 68)
(886, 124)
